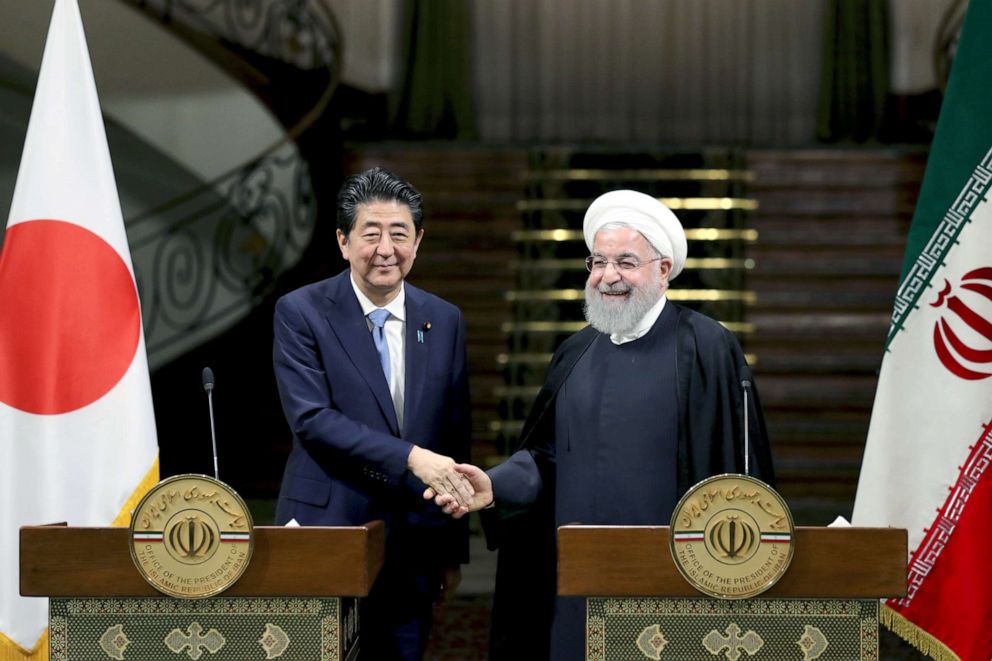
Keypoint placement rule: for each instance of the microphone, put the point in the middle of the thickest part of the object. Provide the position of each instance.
(746, 388)
(208, 386)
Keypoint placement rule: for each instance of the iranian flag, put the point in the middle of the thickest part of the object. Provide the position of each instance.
(77, 430)
(927, 461)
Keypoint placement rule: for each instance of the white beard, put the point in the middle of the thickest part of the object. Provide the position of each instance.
(619, 315)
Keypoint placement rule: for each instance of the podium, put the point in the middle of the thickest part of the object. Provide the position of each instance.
(297, 600)
(639, 606)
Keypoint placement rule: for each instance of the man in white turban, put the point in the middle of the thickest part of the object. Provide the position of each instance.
(637, 407)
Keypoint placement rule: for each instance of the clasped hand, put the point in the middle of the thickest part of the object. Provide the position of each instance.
(482, 492)
(438, 473)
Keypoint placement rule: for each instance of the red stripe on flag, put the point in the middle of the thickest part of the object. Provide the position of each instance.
(949, 592)
(980, 325)
(966, 352)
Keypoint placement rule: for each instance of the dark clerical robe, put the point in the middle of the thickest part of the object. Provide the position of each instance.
(617, 434)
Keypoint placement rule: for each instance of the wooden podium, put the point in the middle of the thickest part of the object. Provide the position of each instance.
(297, 600)
(639, 607)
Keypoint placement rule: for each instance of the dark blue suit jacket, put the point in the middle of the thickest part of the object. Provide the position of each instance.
(348, 462)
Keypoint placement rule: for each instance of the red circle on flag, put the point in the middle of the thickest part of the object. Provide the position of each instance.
(69, 317)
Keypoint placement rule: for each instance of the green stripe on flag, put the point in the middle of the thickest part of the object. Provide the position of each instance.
(958, 173)
(917, 274)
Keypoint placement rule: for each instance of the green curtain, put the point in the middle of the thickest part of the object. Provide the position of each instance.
(855, 78)
(435, 99)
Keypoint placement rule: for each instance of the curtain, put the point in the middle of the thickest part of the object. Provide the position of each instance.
(663, 71)
(856, 71)
(436, 99)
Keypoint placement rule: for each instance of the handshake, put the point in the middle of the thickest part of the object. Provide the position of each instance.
(456, 488)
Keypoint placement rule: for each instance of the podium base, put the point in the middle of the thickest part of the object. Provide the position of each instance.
(802, 629)
(219, 628)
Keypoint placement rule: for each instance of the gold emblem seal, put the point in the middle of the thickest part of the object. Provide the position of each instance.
(191, 536)
(732, 536)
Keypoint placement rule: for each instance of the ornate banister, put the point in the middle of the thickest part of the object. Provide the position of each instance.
(205, 257)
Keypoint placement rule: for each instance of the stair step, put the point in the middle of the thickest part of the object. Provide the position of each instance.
(820, 326)
(837, 360)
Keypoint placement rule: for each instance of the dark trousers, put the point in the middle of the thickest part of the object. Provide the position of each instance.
(397, 615)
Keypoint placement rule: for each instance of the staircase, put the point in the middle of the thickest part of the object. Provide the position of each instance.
(832, 227)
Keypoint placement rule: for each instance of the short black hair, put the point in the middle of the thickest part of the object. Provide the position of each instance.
(376, 185)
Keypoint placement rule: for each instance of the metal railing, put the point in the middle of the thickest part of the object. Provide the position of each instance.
(206, 257)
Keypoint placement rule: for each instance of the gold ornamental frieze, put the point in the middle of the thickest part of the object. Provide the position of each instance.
(732, 536)
(191, 536)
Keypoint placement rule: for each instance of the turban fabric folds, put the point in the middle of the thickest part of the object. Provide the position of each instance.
(643, 213)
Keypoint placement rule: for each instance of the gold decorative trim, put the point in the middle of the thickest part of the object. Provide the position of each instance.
(869, 638)
(150, 479)
(674, 203)
(576, 326)
(330, 640)
(542, 326)
(595, 638)
(508, 426)
(914, 635)
(691, 263)
(516, 391)
(11, 651)
(694, 234)
(114, 642)
(524, 358)
(654, 174)
(166, 606)
(543, 359)
(703, 606)
(711, 295)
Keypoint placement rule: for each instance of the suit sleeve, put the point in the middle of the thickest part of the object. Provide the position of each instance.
(460, 425)
(308, 404)
(458, 442)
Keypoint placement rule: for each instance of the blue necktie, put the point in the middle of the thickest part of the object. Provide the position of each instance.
(378, 318)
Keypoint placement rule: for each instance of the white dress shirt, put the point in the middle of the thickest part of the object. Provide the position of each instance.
(395, 332)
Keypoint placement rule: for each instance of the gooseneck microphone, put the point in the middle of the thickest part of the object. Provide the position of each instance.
(746, 388)
(208, 386)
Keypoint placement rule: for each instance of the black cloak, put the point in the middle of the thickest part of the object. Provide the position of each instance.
(710, 367)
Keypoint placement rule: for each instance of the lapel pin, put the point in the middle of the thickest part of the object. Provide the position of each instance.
(427, 325)
(420, 336)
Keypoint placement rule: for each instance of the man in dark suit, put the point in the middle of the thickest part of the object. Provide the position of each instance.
(371, 374)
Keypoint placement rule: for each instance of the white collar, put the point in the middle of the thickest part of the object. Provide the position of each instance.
(643, 326)
(396, 307)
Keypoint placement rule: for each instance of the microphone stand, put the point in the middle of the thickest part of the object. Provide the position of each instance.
(208, 385)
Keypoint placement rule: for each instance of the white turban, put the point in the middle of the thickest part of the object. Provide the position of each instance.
(646, 215)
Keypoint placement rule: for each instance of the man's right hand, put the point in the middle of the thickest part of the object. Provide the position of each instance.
(482, 487)
(438, 473)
